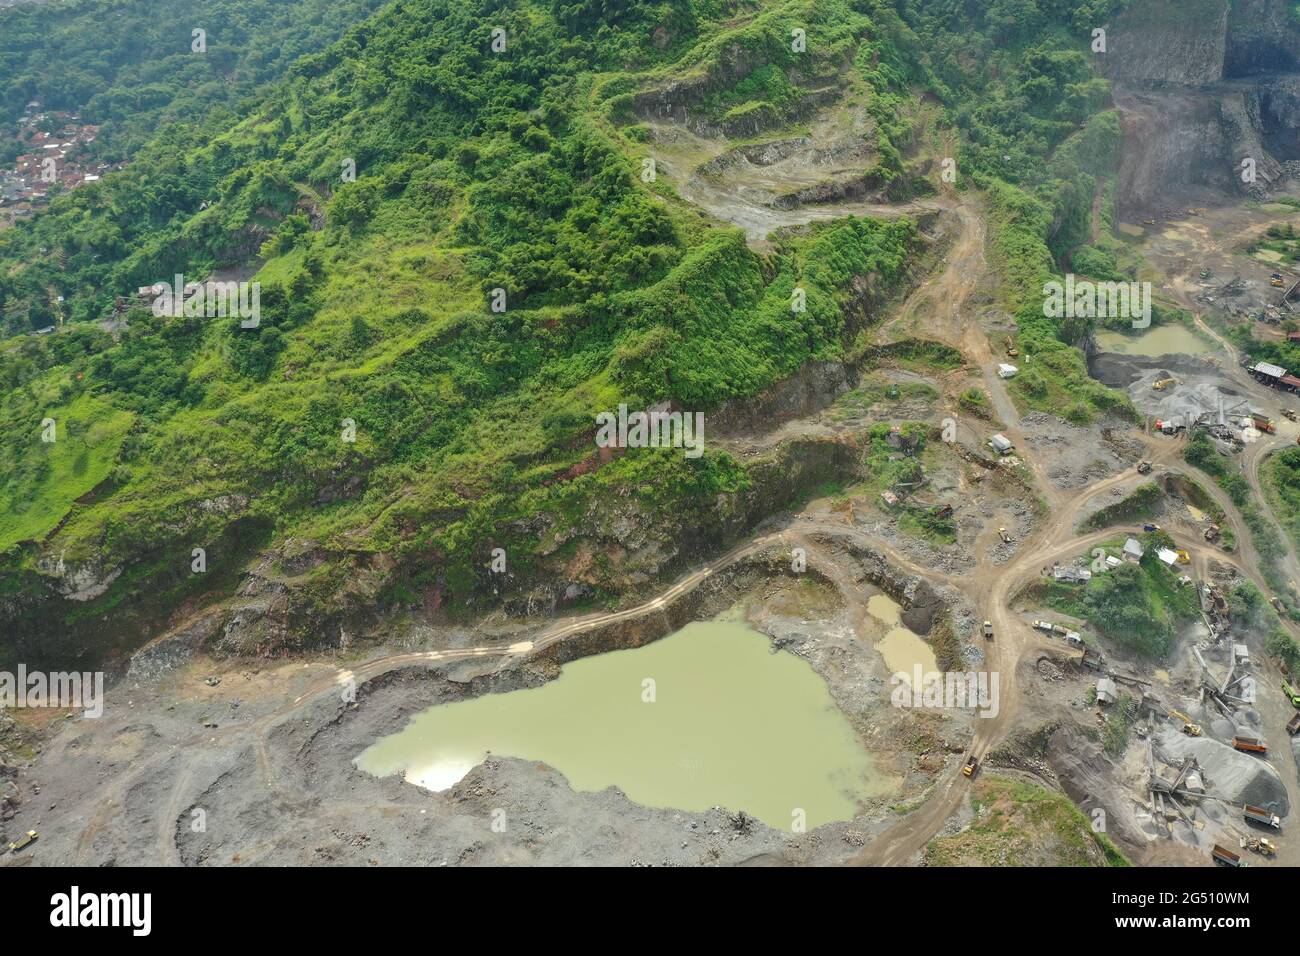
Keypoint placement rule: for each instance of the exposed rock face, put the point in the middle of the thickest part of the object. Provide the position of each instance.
(79, 582)
(1263, 37)
(1158, 42)
(1203, 85)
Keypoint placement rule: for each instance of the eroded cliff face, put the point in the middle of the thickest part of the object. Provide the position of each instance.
(1202, 85)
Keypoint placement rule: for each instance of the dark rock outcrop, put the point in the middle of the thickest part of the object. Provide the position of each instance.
(1203, 87)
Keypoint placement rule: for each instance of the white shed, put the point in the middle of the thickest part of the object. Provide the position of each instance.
(1107, 692)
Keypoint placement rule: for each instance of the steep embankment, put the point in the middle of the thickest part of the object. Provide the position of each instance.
(395, 419)
(437, 334)
(1204, 85)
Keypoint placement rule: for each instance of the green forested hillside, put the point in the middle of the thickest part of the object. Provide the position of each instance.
(129, 66)
(479, 170)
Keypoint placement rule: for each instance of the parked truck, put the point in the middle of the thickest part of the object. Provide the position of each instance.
(1221, 854)
(1252, 745)
(1293, 727)
(972, 765)
(24, 842)
(988, 630)
(1260, 815)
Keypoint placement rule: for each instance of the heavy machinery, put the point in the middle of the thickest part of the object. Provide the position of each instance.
(1250, 745)
(1289, 414)
(1260, 815)
(1291, 694)
(1163, 384)
(1212, 533)
(988, 630)
(1002, 533)
(972, 765)
(1189, 728)
(1012, 351)
(27, 840)
(1275, 280)
(1260, 845)
(1293, 727)
(1263, 423)
(1144, 468)
(1225, 856)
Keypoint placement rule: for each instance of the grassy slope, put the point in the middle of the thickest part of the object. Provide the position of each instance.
(479, 171)
(1020, 824)
(88, 433)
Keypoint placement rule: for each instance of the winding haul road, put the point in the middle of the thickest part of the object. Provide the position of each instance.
(990, 588)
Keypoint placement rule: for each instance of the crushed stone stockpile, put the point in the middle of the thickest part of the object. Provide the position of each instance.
(1230, 774)
(1199, 386)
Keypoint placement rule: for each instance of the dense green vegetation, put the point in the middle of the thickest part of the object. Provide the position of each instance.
(1264, 535)
(481, 170)
(1140, 504)
(1039, 140)
(1276, 351)
(1250, 609)
(1281, 478)
(1201, 453)
(129, 65)
(1140, 605)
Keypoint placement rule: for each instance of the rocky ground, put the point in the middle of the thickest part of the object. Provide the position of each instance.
(196, 762)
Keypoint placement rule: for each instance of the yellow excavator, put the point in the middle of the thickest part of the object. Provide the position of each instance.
(1189, 728)
(1163, 384)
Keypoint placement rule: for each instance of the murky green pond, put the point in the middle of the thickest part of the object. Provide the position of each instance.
(708, 716)
(902, 648)
(1168, 339)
